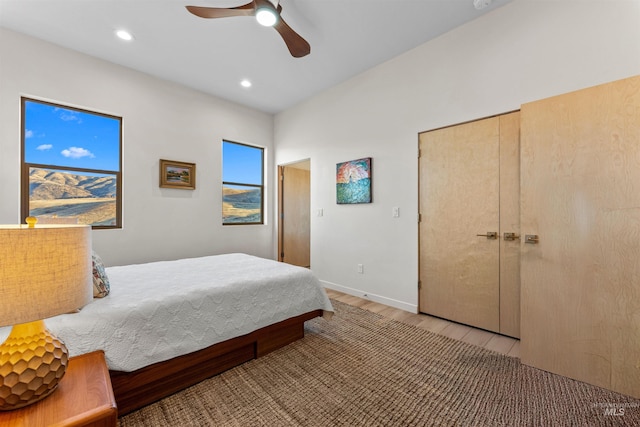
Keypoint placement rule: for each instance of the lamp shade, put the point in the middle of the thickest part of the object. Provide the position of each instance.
(44, 271)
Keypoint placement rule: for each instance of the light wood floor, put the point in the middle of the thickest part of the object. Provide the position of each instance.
(479, 337)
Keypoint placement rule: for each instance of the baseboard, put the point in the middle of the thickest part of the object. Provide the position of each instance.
(411, 308)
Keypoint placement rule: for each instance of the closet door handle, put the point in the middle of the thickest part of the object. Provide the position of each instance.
(491, 235)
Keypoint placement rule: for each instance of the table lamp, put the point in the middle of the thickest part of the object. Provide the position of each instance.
(45, 271)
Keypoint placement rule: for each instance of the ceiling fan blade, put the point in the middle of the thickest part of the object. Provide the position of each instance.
(298, 46)
(219, 12)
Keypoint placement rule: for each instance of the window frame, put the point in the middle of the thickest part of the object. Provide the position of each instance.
(260, 186)
(25, 166)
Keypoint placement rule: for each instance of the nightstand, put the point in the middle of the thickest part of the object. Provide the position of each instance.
(84, 398)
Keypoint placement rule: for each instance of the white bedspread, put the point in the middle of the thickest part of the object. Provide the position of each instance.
(160, 310)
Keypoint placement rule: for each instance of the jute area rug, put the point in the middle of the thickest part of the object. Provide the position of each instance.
(361, 369)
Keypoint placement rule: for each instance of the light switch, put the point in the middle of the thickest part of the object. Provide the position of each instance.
(396, 212)
(320, 212)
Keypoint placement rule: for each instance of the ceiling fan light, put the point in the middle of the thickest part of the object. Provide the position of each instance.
(266, 17)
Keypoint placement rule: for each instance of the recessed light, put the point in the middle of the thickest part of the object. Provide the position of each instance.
(245, 83)
(124, 35)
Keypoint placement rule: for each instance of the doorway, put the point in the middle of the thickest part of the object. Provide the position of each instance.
(294, 213)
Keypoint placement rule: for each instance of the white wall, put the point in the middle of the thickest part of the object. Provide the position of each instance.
(524, 51)
(160, 120)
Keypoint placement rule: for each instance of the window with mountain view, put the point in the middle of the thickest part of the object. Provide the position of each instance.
(242, 184)
(71, 164)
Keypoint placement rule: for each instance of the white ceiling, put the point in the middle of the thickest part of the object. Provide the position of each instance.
(213, 55)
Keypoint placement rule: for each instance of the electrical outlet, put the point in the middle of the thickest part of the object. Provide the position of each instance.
(360, 268)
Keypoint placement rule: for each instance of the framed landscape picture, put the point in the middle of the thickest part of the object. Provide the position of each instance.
(353, 181)
(177, 174)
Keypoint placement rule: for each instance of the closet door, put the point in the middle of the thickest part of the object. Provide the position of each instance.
(510, 223)
(580, 159)
(459, 206)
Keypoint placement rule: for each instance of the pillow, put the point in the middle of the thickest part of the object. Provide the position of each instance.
(101, 286)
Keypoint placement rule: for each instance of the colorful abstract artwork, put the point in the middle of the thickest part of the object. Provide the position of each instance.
(353, 181)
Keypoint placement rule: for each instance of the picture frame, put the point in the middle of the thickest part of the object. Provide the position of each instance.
(174, 174)
(353, 181)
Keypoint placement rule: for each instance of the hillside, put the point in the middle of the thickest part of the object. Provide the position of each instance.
(50, 185)
(235, 196)
(241, 206)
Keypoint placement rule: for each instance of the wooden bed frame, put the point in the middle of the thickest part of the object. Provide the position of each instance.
(133, 390)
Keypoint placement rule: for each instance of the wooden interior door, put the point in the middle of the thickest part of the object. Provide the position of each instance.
(295, 214)
(580, 193)
(459, 199)
(510, 223)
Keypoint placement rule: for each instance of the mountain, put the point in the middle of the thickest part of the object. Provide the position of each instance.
(46, 184)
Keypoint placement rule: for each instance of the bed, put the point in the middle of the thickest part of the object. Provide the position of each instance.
(167, 325)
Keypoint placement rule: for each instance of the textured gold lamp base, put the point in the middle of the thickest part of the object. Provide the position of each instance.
(32, 362)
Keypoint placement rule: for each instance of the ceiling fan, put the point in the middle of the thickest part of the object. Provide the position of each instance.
(267, 13)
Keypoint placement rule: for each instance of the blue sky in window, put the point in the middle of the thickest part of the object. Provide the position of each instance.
(64, 137)
(241, 163)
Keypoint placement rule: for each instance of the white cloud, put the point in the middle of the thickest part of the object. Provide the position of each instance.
(68, 115)
(70, 118)
(44, 147)
(77, 152)
(28, 133)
